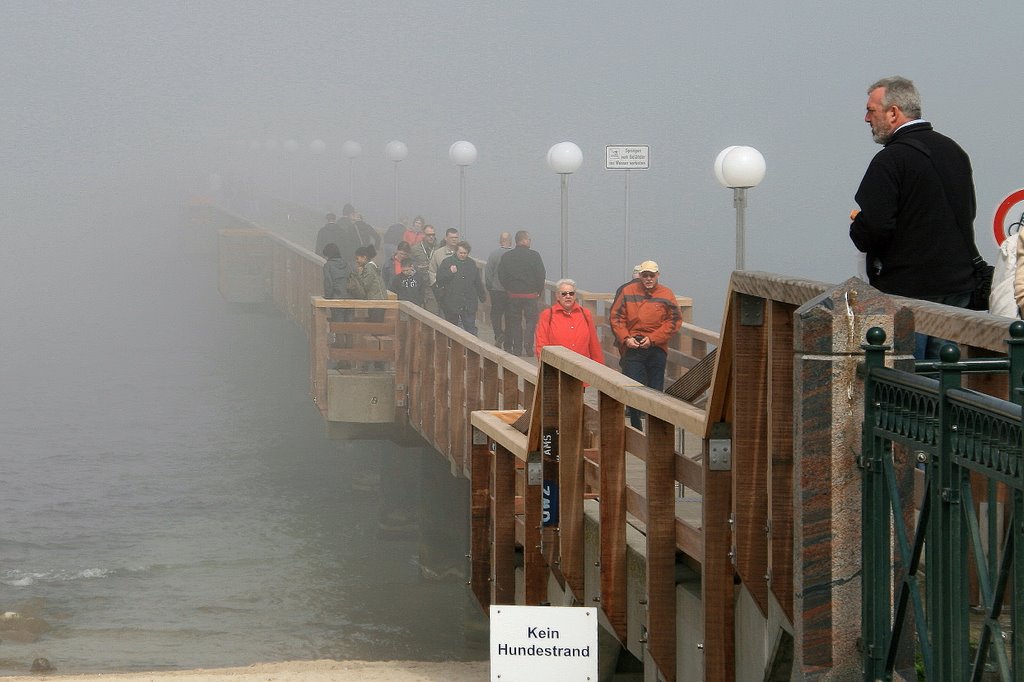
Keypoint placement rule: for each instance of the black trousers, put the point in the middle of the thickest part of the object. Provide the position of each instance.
(522, 323)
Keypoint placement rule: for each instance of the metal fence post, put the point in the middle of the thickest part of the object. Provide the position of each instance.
(875, 539)
(947, 544)
(1016, 530)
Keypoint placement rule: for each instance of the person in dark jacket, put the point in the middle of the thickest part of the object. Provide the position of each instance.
(341, 234)
(365, 233)
(459, 287)
(917, 206)
(521, 272)
(411, 284)
(336, 272)
(496, 292)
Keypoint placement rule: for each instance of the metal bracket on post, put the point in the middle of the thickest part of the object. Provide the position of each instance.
(534, 468)
(720, 447)
(751, 311)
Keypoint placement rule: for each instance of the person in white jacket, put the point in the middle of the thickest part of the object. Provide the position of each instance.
(1001, 298)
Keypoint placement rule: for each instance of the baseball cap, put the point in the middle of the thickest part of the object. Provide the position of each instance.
(649, 266)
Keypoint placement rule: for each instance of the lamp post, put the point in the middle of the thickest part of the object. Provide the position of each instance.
(318, 147)
(565, 158)
(462, 154)
(352, 149)
(739, 168)
(396, 151)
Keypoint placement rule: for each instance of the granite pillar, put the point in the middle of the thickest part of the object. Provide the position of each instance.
(828, 411)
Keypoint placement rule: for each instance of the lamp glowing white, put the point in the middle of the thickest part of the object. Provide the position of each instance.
(565, 158)
(351, 149)
(396, 152)
(462, 154)
(740, 168)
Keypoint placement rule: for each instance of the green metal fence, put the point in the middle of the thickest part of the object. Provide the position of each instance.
(954, 434)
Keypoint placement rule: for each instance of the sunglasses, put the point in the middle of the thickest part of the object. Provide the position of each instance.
(566, 293)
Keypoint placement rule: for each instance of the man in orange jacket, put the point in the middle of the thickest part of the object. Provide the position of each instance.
(643, 319)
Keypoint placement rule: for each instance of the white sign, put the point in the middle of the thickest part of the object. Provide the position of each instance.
(541, 643)
(627, 157)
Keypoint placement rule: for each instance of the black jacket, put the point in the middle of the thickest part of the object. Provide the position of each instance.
(521, 271)
(458, 291)
(916, 200)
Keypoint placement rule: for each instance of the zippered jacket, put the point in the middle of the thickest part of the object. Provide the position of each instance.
(654, 314)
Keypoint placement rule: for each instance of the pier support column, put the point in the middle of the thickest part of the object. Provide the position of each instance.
(828, 405)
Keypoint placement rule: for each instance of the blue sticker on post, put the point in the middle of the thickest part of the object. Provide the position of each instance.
(549, 503)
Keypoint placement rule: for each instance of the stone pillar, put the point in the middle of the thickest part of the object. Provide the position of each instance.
(828, 411)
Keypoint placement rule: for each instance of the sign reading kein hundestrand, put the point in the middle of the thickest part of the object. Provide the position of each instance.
(627, 157)
(541, 643)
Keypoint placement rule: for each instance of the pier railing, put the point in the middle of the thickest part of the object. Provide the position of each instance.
(969, 445)
(757, 562)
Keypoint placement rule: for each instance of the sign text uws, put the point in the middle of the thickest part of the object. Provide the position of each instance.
(549, 489)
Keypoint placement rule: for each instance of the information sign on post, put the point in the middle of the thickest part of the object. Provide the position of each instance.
(627, 157)
(543, 643)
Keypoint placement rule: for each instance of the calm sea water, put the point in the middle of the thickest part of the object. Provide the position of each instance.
(169, 498)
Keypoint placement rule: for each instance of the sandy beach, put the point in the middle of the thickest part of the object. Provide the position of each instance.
(295, 671)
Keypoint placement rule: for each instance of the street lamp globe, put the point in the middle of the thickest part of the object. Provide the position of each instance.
(396, 151)
(462, 153)
(741, 167)
(351, 149)
(565, 158)
(318, 146)
(718, 164)
(290, 145)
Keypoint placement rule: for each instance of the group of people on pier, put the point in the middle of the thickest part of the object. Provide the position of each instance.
(441, 278)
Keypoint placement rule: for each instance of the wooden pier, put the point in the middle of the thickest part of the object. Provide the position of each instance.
(721, 541)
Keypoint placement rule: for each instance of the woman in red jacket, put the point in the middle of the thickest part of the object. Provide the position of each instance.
(567, 323)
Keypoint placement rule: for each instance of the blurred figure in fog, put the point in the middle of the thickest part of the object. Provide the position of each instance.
(392, 237)
(499, 298)
(394, 266)
(410, 284)
(445, 250)
(341, 234)
(459, 287)
(414, 234)
(364, 232)
(336, 272)
(521, 272)
(365, 281)
(422, 250)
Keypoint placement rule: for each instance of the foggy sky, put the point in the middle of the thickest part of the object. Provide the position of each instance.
(136, 103)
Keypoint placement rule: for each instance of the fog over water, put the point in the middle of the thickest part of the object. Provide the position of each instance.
(114, 99)
(119, 365)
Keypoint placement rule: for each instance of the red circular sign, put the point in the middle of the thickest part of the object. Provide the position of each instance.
(999, 227)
